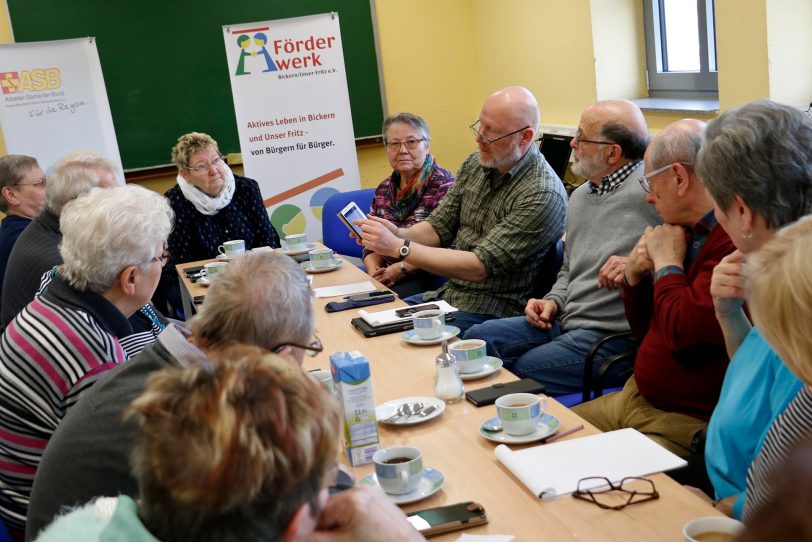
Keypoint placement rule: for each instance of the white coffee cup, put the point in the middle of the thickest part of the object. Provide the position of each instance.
(211, 270)
(296, 241)
(398, 469)
(727, 528)
(321, 258)
(232, 249)
(470, 355)
(519, 413)
(429, 324)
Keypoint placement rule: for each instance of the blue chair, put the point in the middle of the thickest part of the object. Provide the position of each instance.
(4, 536)
(334, 233)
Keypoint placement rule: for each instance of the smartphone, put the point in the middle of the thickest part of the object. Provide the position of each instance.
(489, 395)
(377, 294)
(349, 214)
(406, 312)
(445, 519)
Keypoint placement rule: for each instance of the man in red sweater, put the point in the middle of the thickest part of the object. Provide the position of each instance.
(682, 359)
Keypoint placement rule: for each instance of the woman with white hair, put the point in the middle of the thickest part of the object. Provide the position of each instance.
(113, 247)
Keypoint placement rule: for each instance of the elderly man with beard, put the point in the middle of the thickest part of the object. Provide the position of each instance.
(505, 210)
(607, 214)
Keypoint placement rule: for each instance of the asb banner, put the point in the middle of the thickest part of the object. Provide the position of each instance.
(293, 115)
(54, 101)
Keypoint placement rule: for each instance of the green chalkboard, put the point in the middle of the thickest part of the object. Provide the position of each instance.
(165, 64)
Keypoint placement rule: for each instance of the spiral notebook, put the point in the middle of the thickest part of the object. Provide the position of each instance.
(552, 470)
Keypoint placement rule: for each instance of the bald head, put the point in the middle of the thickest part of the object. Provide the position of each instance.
(516, 105)
(677, 142)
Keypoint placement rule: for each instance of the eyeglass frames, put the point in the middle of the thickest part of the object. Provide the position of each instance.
(40, 183)
(474, 128)
(578, 141)
(204, 168)
(311, 349)
(645, 180)
(162, 258)
(596, 489)
(410, 144)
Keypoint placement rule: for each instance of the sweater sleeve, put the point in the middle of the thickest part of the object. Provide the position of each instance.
(637, 301)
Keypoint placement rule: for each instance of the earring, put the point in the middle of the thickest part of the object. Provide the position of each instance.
(746, 235)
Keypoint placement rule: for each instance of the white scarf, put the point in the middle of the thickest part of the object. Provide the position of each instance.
(204, 203)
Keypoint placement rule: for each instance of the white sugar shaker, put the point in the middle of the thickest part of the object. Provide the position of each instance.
(447, 382)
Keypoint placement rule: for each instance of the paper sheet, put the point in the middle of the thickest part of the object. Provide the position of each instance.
(344, 289)
(380, 318)
(550, 470)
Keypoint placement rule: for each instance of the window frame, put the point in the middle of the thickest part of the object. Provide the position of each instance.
(665, 84)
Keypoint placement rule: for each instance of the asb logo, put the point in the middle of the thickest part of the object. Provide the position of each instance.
(30, 80)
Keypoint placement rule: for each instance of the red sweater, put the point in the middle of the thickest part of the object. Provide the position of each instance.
(682, 359)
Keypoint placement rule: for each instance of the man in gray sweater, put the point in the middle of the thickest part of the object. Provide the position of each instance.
(605, 218)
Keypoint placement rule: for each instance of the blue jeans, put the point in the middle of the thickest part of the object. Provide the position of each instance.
(462, 319)
(553, 357)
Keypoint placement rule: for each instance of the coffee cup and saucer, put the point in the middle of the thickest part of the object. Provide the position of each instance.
(399, 472)
(210, 271)
(520, 419)
(472, 359)
(295, 244)
(231, 249)
(429, 328)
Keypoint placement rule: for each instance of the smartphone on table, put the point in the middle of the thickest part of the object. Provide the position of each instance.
(350, 213)
(445, 519)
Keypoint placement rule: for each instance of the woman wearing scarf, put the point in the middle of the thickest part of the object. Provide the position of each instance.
(409, 195)
(212, 205)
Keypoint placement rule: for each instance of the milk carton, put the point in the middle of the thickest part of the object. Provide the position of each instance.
(353, 387)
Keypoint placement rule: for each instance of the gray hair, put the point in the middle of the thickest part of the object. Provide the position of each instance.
(108, 229)
(261, 299)
(13, 168)
(74, 175)
(761, 152)
(676, 145)
(632, 143)
(410, 119)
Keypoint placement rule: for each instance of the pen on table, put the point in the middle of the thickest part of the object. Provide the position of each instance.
(562, 434)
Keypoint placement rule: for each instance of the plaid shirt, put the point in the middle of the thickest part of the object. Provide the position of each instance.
(614, 179)
(508, 221)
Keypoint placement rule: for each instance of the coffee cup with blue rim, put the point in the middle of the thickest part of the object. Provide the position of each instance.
(321, 258)
(212, 269)
(296, 241)
(470, 355)
(520, 413)
(429, 324)
(398, 469)
(232, 249)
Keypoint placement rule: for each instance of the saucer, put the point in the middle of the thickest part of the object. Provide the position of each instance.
(387, 409)
(548, 425)
(308, 266)
(491, 366)
(303, 249)
(412, 338)
(203, 281)
(430, 483)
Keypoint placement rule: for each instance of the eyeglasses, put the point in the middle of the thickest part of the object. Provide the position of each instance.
(204, 168)
(487, 139)
(598, 490)
(410, 144)
(645, 180)
(311, 349)
(162, 258)
(38, 183)
(578, 141)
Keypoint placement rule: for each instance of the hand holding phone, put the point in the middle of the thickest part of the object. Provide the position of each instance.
(349, 214)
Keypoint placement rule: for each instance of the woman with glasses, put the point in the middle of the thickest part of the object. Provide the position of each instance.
(415, 187)
(212, 205)
(65, 339)
(22, 198)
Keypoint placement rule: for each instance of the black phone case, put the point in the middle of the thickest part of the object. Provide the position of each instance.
(489, 395)
(368, 331)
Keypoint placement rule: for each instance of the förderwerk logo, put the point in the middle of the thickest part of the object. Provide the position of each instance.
(37, 80)
(258, 55)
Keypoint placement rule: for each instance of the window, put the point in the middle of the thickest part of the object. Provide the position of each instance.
(680, 47)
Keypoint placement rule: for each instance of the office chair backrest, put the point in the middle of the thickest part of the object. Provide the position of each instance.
(334, 233)
(556, 149)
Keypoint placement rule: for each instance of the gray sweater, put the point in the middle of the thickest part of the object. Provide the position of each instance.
(599, 227)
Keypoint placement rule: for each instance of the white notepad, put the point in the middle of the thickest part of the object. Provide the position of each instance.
(551, 470)
(344, 289)
(382, 318)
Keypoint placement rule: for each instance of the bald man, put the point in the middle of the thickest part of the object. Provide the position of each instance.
(505, 210)
(682, 358)
(606, 216)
